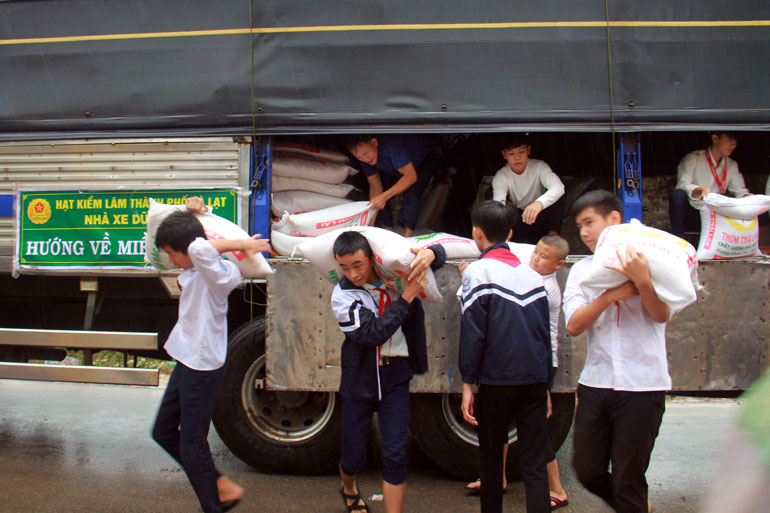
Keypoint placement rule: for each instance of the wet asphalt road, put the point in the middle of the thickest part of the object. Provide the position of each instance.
(86, 448)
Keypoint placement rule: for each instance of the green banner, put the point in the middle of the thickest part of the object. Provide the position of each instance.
(98, 229)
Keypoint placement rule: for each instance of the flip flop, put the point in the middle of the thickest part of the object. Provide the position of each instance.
(558, 503)
(228, 505)
(355, 498)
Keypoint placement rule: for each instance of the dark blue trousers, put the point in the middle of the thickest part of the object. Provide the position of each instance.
(683, 217)
(412, 197)
(182, 428)
(393, 415)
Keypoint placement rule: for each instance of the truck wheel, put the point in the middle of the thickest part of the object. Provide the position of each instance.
(275, 432)
(438, 427)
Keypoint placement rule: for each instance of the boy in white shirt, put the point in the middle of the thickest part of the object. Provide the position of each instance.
(531, 186)
(198, 343)
(622, 388)
(699, 173)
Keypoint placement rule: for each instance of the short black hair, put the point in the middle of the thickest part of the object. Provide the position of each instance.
(602, 201)
(178, 230)
(495, 219)
(512, 141)
(349, 242)
(558, 243)
(730, 135)
(354, 140)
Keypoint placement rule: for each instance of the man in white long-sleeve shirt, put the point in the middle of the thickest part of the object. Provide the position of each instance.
(533, 188)
(699, 173)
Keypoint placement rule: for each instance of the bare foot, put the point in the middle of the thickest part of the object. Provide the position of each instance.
(649, 507)
(228, 490)
(475, 486)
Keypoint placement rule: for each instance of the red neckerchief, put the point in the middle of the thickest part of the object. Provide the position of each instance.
(382, 305)
(722, 184)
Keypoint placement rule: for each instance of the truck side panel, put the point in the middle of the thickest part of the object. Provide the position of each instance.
(714, 344)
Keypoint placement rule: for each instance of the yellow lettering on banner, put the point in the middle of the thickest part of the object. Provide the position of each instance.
(140, 203)
(115, 203)
(119, 218)
(96, 219)
(216, 202)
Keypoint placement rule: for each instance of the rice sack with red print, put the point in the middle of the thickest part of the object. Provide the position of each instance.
(215, 227)
(672, 261)
(392, 256)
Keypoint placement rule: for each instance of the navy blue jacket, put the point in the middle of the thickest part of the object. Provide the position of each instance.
(504, 333)
(356, 312)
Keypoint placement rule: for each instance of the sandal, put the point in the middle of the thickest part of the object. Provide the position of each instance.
(356, 498)
(558, 503)
(228, 505)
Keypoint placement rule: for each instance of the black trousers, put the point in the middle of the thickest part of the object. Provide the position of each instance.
(548, 220)
(619, 428)
(497, 406)
(182, 428)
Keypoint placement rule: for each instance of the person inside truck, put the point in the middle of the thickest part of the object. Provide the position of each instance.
(622, 388)
(532, 187)
(548, 257)
(699, 173)
(384, 347)
(397, 164)
(500, 297)
(198, 344)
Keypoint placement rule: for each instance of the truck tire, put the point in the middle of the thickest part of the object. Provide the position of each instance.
(275, 432)
(438, 427)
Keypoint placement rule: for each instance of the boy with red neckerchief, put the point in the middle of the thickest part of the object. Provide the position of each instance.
(699, 173)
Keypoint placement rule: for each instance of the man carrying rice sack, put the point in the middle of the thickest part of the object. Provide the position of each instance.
(384, 347)
(699, 173)
(396, 164)
(622, 388)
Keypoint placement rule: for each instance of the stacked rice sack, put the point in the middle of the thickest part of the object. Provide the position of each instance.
(392, 257)
(305, 178)
(672, 261)
(729, 226)
(308, 195)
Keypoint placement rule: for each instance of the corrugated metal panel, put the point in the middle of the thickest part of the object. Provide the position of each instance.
(117, 164)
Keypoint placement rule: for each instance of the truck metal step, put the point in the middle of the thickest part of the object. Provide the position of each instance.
(121, 341)
(79, 374)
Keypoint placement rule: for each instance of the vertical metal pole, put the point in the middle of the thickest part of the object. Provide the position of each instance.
(88, 322)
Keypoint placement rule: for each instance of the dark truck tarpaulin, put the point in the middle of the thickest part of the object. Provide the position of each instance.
(84, 68)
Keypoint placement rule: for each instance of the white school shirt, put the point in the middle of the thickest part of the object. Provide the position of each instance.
(626, 348)
(396, 346)
(536, 183)
(554, 308)
(199, 338)
(694, 171)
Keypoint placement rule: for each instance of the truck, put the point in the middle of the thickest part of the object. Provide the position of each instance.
(107, 104)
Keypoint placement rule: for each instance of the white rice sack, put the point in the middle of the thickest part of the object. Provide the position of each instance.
(310, 168)
(456, 247)
(285, 244)
(306, 149)
(748, 207)
(522, 251)
(302, 201)
(312, 224)
(283, 183)
(215, 227)
(724, 237)
(672, 261)
(392, 256)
